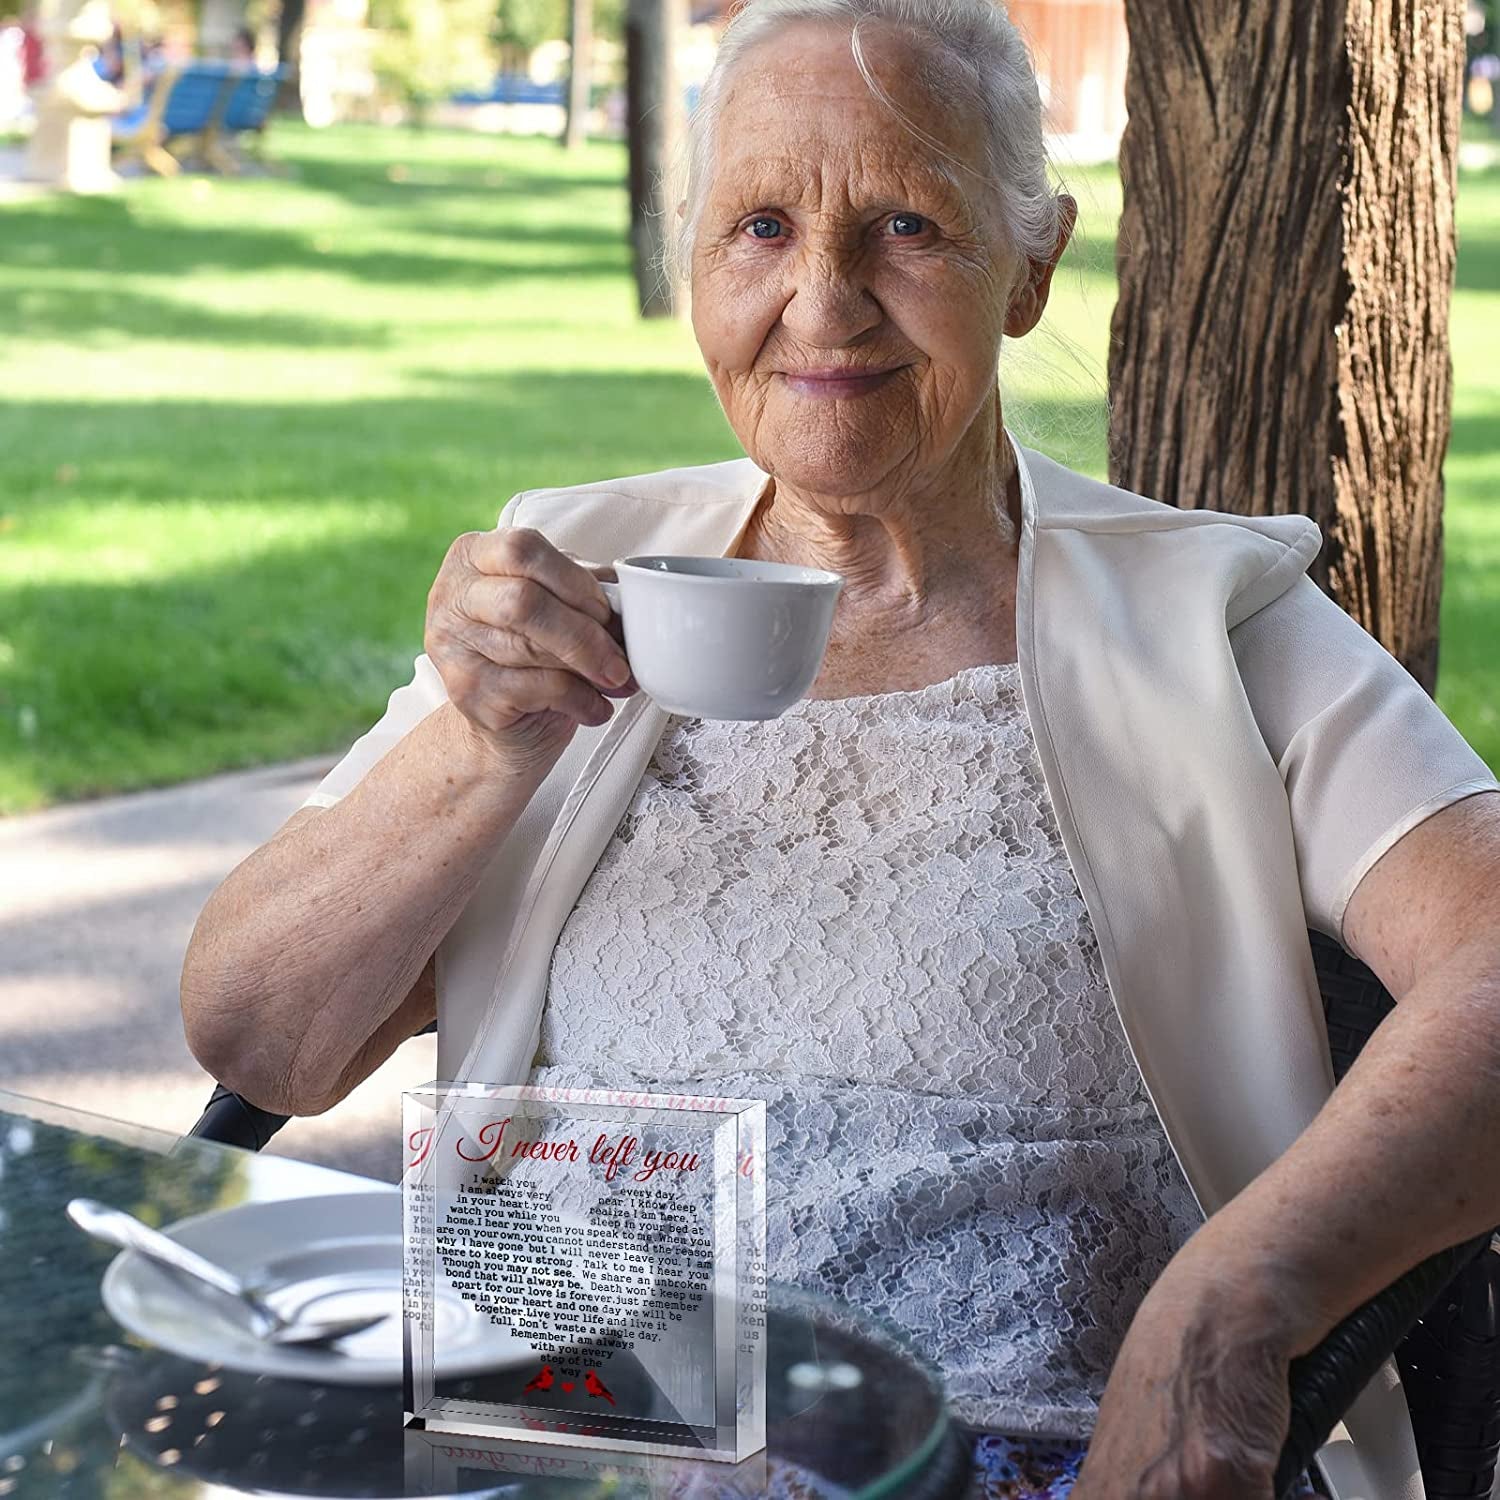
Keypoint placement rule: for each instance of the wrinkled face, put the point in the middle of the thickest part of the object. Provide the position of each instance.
(850, 286)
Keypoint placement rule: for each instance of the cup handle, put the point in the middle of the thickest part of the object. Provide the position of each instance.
(612, 593)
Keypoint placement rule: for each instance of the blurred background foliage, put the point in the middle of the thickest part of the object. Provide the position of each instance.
(426, 51)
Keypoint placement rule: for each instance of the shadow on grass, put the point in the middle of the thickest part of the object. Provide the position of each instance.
(1478, 261)
(1473, 434)
(86, 235)
(86, 316)
(126, 236)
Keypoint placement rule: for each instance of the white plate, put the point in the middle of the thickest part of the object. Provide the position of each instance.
(341, 1251)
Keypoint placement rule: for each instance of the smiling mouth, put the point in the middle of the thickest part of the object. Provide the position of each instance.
(837, 382)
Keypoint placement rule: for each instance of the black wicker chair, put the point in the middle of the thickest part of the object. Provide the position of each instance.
(1442, 1318)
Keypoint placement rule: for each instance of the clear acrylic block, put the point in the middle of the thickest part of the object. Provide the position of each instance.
(586, 1267)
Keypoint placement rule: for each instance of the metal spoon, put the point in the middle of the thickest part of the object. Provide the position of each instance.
(116, 1227)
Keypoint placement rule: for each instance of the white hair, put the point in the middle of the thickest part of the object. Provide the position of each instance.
(993, 75)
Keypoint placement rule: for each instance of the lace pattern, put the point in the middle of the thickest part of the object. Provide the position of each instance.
(862, 913)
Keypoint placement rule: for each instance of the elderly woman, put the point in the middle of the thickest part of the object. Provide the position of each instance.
(1008, 921)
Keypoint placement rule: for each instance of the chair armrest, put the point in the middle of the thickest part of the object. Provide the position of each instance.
(232, 1121)
(1325, 1381)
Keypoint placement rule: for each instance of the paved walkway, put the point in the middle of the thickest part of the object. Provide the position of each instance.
(99, 902)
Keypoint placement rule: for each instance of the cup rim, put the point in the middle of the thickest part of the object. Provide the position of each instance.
(762, 572)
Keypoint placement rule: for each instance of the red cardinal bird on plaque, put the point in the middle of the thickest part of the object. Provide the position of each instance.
(596, 1387)
(542, 1382)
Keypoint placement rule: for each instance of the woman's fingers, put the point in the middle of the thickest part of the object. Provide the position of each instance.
(541, 630)
(521, 553)
(520, 632)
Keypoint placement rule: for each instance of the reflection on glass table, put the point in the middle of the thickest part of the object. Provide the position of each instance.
(89, 1408)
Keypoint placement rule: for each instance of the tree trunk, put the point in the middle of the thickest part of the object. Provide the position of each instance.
(1286, 260)
(653, 110)
(580, 74)
(288, 55)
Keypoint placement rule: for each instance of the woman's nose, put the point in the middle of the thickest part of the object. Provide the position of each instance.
(830, 301)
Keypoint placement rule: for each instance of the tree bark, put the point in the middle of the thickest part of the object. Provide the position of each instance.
(1286, 259)
(653, 123)
(288, 55)
(580, 73)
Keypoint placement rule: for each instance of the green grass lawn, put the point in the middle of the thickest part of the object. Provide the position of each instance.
(243, 419)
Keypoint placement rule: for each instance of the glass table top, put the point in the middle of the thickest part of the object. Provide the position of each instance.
(89, 1410)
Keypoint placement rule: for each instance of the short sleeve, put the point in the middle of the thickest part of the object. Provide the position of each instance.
(406, 708)
(1364, 752)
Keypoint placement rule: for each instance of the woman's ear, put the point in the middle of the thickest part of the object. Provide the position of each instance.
(682, 208)
(1029, 300)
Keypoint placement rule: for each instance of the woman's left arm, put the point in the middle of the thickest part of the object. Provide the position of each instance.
(1398, 1164)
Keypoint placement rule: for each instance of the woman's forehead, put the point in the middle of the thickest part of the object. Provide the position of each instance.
(806, 114)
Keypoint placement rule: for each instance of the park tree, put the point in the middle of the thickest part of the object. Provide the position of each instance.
(290, 15)
(587, 19)
(580, 72)
(1286, 261)
(654, 119)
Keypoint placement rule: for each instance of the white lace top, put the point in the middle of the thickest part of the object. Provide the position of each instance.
(862, 913)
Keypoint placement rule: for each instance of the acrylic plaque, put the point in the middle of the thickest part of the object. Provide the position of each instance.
(586, 1267)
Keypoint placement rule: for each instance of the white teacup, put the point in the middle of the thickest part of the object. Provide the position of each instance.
(723, 637)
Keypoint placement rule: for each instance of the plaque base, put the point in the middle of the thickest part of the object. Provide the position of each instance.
(440, 1463)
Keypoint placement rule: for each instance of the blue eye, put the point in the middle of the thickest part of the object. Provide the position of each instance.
(908, 224)
(765, 228)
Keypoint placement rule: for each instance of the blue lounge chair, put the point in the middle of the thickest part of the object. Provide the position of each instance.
(183, 102)
(245, 111)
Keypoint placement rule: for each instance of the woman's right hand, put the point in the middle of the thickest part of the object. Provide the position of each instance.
(525, 642)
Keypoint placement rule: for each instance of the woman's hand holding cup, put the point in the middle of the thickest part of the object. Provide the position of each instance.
(525, 642)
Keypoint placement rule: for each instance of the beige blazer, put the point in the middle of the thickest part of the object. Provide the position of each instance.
(1227, 754)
